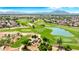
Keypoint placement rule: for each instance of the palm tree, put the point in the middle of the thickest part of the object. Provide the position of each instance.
(59, 42)
(33, 26)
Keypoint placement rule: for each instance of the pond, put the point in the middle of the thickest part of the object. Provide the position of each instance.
(61, 32)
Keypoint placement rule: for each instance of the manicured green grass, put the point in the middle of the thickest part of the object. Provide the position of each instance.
(44, 32)
(72, 41)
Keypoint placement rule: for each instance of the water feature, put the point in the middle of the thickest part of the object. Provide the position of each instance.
(61, 32)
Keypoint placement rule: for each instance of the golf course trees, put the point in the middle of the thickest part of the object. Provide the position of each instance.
(61, 47)
(33, 26)
(45, 39)
(68, 48)
(5, 40)
(34, 36)
(23, 40)
(45, 45)
(59, 41)
(2, 42)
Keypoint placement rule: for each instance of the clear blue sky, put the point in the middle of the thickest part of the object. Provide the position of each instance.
(39, 9)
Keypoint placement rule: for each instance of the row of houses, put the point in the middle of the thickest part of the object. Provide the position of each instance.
(62, 20)
(8, 23)
(69, 21)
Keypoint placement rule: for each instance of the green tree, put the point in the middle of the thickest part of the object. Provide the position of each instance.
(45, 47)
(50, 47)
(34, 36)
(1, 42)
(45, 39)
(42, 47)
(33, 26)
(5, 41)
(59, 41)
(68, 48)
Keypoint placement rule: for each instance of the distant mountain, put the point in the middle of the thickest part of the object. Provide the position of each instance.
(59, 12)
(55, 12)
(11, 12)
(14, 12)
(1, 12)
